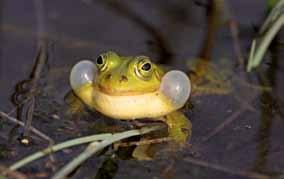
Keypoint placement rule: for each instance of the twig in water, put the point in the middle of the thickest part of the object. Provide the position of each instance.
(236, 41)
(28, 89)
(34, 130)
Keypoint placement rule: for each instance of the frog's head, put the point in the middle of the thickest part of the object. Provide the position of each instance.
(120, 75)
(115, 75)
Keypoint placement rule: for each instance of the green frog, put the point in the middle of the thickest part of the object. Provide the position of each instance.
(133, 88)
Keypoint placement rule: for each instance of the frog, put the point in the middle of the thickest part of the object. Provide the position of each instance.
(132, 88)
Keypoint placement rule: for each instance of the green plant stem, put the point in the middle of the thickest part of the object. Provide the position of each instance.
(97, 146)
(55, 148)
(266, 40)
(274, 13)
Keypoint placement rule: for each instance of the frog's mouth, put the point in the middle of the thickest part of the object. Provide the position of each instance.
(122, 92)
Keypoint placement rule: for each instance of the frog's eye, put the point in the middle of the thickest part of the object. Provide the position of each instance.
(144, 68)
(101, 62)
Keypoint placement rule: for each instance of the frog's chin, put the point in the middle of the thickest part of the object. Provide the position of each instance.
(148, 105)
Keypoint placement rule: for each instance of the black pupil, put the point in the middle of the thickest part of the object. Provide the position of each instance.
(99, 60)
(146, 67)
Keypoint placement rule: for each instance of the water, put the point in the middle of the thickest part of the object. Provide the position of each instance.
(170, 32)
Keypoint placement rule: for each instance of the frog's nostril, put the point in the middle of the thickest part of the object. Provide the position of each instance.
(108, 76)
(123, 79)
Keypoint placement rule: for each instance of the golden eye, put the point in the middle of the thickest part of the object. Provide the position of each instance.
(144, 68)
(101, 62)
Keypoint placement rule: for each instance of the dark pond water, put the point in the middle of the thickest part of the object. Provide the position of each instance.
(250, 145)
